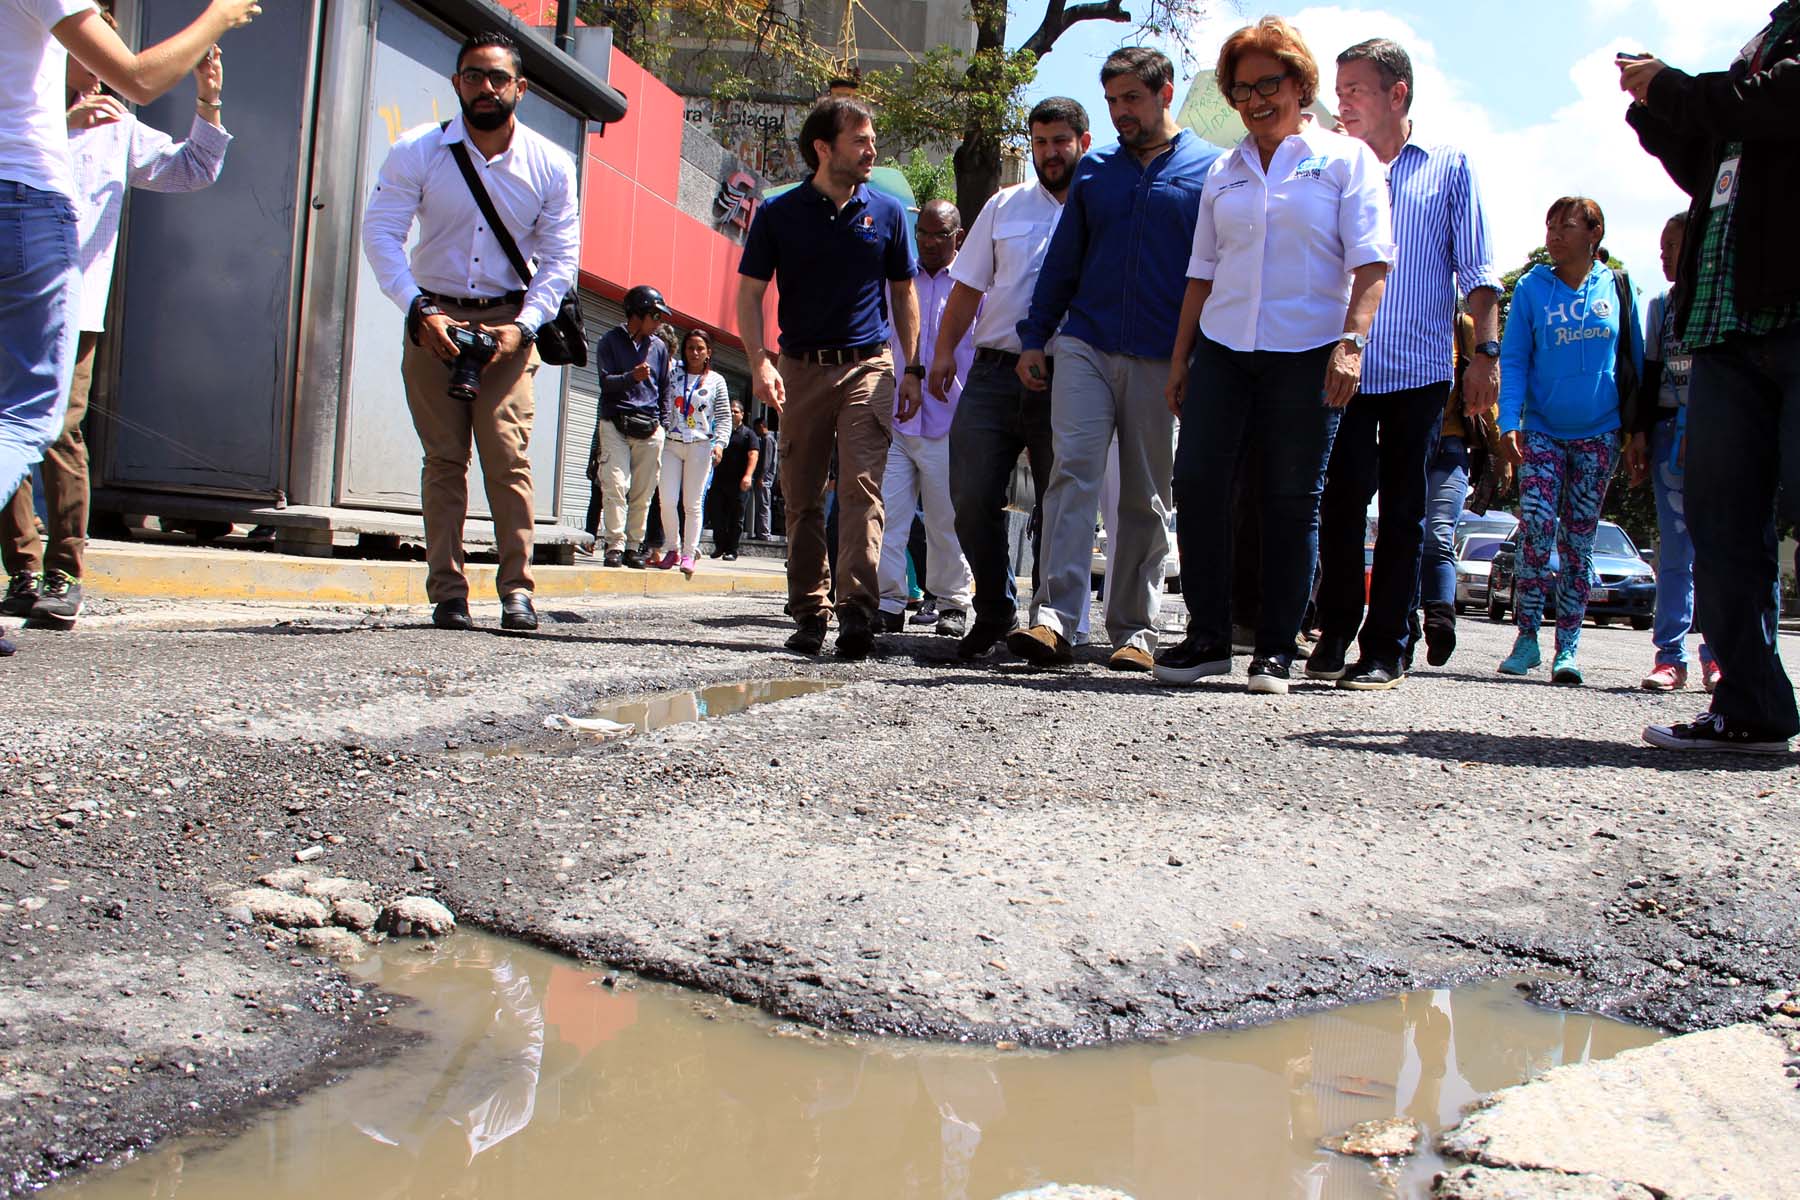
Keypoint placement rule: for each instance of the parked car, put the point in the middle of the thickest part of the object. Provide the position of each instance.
(1171, 564)
(1474, 556)
(1494, 520)
(1624, 585)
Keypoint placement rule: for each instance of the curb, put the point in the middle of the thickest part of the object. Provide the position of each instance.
(193, 573)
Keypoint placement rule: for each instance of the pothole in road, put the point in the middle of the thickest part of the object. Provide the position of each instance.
(630, 717)
(539, 1079)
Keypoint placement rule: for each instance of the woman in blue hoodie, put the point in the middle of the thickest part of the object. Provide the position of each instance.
(1559, 410)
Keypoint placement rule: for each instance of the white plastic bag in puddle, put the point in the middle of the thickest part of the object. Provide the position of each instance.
(598, 726)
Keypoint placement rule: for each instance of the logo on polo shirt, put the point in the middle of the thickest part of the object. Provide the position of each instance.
(865, 225)
(1311, 168)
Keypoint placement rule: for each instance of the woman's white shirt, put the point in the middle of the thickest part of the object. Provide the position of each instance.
(1280, 246)
(34, 136)
(697, 408)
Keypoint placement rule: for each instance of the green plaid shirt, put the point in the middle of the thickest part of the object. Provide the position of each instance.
(1715, 315)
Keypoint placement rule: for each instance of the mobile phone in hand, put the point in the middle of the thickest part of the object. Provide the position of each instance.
(1624, 56)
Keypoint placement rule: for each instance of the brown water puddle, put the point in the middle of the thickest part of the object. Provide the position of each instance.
(650, 713)
(540, 1082)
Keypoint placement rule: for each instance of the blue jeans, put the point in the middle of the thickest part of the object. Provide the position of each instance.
(996, 418)
(1744, 444)
(1447, 487)
(40, 299)
(1381, 445)
(1674, 551)
(1275, 402)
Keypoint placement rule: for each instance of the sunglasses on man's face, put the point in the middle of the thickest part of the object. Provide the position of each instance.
(474, 77)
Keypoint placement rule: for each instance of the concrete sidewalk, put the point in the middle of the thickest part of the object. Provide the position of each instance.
(160, 571)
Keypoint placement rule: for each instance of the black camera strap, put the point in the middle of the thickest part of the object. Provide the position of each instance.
(460, 151)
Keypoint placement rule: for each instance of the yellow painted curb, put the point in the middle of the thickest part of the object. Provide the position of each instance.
(190, 573)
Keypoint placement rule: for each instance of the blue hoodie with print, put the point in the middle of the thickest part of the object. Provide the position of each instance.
(1559, 354)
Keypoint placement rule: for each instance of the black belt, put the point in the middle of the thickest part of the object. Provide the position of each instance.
(475, 302)
(838, 356)
(1005, 358)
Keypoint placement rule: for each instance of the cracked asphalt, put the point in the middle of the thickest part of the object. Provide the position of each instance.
(934, 848)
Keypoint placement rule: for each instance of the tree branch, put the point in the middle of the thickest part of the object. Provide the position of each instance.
(1060, 17)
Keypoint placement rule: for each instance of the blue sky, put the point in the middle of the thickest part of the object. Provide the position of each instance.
(1525, 86)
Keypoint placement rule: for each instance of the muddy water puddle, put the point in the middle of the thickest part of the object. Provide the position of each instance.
(649, 713)
(540, 1081)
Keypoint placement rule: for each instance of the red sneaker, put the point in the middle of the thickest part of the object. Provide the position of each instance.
(1709, 675)
(1665, 677)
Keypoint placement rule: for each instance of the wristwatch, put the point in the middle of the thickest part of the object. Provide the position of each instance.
(1488, 349)
(916, 370)
(526, 332)
(1357, 341)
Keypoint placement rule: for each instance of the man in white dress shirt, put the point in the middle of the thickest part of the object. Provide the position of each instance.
(997, 416)
(918, 462)
(459, 279)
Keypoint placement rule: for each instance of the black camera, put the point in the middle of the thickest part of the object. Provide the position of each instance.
(473, 350)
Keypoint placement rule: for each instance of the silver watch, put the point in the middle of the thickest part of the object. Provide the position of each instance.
(1358, 341)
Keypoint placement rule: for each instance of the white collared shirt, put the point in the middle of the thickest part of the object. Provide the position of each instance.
(1280, 247)
(532, 185)
(934, 416)
(1001, 256)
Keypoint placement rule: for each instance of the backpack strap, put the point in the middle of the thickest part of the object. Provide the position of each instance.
(460, 152)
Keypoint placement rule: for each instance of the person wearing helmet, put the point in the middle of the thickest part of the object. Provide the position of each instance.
(628, 440)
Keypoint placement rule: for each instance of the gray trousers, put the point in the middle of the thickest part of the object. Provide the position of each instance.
(1092, 396)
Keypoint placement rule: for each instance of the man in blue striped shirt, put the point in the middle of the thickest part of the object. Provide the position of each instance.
(1388, 431)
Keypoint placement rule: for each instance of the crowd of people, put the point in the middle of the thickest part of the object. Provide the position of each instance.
(1332, 332)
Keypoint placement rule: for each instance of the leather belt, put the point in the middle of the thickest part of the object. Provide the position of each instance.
(1005, 358)
(476, 302)
(838, 356)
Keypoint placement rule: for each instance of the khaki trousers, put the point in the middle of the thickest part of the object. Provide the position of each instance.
(849, 408)
(629, 470)
(500, 420)
(65, 489)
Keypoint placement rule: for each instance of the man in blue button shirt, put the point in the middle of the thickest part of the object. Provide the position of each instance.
(1114, 270)
(837, 249)
(633, 365)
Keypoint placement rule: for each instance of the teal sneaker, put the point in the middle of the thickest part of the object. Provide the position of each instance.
(1524, 657)
(1563, 669)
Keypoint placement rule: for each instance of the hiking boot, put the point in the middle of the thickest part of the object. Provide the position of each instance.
(1041, 646)
(1191, 660)
(1440, 632)
(889, 622)
(952, 622)
(58, 602)
(1327, 661)
(810, 637)
(1525, 656)
(1130, 658)
(1269, 676)
(21, 594)
(856, 634)
(1710, 731)
(1371, 677)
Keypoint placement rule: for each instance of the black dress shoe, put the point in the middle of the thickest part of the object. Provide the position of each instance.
(983, 636)
(516, 613)
(633, 560)
(452, 614)
(614, 558)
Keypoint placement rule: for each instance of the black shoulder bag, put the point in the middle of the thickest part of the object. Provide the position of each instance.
(1625, 372)
(561, 341)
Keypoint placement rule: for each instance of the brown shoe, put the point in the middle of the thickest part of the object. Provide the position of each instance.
(1041, 646)
(1129, 658)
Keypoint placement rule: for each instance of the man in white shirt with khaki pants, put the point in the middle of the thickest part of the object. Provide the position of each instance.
(459, 278)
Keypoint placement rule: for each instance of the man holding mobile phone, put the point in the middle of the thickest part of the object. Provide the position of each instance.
(1729, 139)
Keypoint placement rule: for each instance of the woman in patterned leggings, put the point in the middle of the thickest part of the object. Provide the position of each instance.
(1571, 324)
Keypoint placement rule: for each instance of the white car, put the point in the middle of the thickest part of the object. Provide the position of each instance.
(1171, 564)
(1474, 558)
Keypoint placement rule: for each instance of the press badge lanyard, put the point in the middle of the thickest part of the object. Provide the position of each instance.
(687, 400)
(1725, 183)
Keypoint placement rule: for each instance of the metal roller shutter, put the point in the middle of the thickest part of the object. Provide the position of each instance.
(583, 412)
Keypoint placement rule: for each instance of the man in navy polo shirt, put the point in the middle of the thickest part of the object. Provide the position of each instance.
(837, 249)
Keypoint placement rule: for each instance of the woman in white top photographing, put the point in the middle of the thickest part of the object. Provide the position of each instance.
(40, 269)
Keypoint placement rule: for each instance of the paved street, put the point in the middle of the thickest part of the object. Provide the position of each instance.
(933, 848)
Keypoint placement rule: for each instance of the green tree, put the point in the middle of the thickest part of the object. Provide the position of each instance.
(928, 180)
